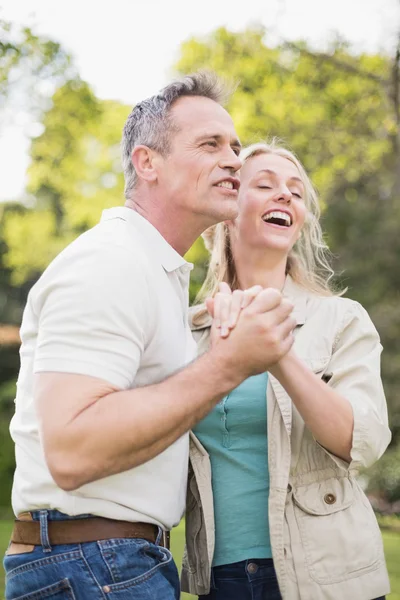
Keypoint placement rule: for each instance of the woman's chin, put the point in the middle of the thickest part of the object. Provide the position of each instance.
(274, 243)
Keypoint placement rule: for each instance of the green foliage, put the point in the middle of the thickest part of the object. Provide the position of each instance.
(74, 174)
(7, 461)
(30, 66)
(391, 541)
(385, 475)
(197, 255)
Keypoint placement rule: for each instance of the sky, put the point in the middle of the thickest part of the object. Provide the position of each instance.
(143, 40)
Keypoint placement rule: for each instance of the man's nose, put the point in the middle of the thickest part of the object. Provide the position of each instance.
(230, 161)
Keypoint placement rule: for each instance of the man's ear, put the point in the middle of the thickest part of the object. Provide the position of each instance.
(143, 159)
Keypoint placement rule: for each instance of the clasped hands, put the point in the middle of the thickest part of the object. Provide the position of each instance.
(256, 322)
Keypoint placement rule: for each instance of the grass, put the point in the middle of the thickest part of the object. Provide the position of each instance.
(391, 541)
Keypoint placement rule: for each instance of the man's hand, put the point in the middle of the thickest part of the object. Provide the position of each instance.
(225, 307)
(262, 336)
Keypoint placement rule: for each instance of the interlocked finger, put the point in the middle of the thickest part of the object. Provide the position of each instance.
(287, 326)
(235, 308)
(266, 300)
(282, 312)
(250, 294)
(222, 304)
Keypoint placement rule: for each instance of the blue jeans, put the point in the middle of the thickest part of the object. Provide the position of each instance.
(116, 569)
(252, 579)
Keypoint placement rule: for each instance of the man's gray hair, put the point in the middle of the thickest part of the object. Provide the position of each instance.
(150, 121)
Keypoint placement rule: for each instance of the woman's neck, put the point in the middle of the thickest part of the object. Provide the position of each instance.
(265, 269)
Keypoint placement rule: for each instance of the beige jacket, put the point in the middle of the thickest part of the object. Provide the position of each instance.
(325, 540)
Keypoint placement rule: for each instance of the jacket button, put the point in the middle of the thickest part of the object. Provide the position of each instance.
(330, 498)
(252, 568)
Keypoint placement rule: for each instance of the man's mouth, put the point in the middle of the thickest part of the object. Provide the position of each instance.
(277, 217)
(225, 184)
(229, 183)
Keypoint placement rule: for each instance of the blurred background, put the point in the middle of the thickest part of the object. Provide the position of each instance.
(323, 77)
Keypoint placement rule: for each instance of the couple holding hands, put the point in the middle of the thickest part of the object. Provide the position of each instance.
(252, 411)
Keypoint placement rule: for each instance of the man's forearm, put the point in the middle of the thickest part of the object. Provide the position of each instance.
(326, 413)
(123, 429)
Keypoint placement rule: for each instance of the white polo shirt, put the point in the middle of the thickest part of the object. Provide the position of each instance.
(112, 305)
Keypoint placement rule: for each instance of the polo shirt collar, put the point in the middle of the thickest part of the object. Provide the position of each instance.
(157, 244)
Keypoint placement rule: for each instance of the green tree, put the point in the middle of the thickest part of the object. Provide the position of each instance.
(75, 173)
(31, 67)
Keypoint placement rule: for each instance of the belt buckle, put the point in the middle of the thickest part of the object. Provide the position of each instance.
(165, 539)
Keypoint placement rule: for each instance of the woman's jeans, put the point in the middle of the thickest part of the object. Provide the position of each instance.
(116, 569)
(252, 579)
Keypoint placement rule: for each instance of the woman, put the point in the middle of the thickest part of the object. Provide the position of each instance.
(279, 514)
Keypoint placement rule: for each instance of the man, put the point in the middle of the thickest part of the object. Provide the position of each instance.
(104, 404)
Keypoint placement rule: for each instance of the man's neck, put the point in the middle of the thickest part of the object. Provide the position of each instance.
(177, 228)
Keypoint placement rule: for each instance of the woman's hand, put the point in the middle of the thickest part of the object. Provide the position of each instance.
(225, 307)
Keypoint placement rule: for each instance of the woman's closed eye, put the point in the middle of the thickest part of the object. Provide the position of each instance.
(299, 196)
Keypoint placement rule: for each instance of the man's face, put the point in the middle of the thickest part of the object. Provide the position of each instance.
(198, 175)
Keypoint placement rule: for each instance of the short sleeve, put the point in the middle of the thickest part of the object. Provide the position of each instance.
(93, 316)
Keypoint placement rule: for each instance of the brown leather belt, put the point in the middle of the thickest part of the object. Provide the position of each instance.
(80, 531)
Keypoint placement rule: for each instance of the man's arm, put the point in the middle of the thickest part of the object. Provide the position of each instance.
(93, 430)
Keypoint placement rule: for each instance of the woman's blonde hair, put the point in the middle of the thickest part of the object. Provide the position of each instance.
(308, 262)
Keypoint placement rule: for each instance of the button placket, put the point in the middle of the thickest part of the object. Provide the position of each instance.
(226, 436)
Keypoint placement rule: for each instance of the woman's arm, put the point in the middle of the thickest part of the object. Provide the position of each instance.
(348, 416)
(326, 413)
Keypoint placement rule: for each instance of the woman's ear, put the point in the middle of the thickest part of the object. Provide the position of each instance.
(143, 160)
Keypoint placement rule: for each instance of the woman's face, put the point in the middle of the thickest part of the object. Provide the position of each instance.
(271, 204)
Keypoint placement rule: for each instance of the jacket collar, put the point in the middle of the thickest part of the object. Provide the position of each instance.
(155, 242)
(298, 295)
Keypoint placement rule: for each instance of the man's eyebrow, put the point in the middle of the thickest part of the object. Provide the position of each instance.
(271, 172)
(235, 143)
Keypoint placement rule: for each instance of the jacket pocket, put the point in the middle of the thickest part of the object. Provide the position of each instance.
(338, 530)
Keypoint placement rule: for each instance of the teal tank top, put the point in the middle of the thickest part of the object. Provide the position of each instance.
(234, 434)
